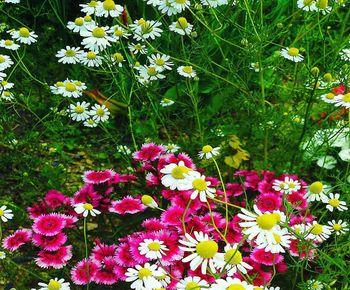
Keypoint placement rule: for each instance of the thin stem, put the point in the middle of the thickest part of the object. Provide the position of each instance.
(183, 216)
(86, 252)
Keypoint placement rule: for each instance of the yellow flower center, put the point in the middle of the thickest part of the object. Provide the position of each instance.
(79, 109)
(233, 257)
(144, 272)
(2, 59)
(235, 287)
(87, 18)
(109, 5)
(54, 285)
(192, 286)
(334, 202)
(146, 27)
(207, 249)
(118, 57)
(330, 96)
(317, 229)
(152, 71)
(165, 100)
(316, 187)
(24, 32)
(4, 83)
(207, 149)
(160, 278)
(93, 4)
(199, 184)
(308, 2)
(346, 98)
(159, 62)
(180, 1)
(7, 94)
(60, 84)
(182, 23)
(137, 46)
(79, 21)
(70, 53)
(266, 221)
(90, 121)
(277, 238)
(70, 87)
(8, 42)
(98, 32)
(337, 227)
(291, 185)
(146, 199)
(88, 206)
(293, 51)
(170, 147)
(327, 77)
(154, 246)
(100, 112)
(277, 216)
(77, 83)
(1, 212)
(323, 4)
(179, 171)
(118, 32)
(91, 55)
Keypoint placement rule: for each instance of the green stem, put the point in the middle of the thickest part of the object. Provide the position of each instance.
(183, 216)
(86, 252)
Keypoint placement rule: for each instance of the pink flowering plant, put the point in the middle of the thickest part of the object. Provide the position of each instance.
(170, 224)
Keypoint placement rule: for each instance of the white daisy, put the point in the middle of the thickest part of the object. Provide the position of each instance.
(323, 7)
(118, 32)
(339, 227)
(137, 48)
(333, 202)
(165, 7)
(152, 249)
(231, 283)
(161, 61)
(69, 55)
(90, 59)
(343, 101)
(123, 149)
(86, 209)
(58, 88)
(55, 284)
(328, 98)
(180, 5)
(150, 73)
(72, 89)
(144, 29)
(172, 148)
(255, 66)
(186, 71)
(143, 277)
(9, 44)
(2, 255)
(287, 186)
(108, 8)
(166, 102)
(5, 62)
(164, 279)
(314, 285)
(344, 154)
(79, 111)
(261, 226)
(6, 85)
(12, 1)
(208, 152)
(280, 242)
(2, 76)
(231, 260)
(202, 249)
(5, 214)
(96, 38)
(317, 191)
(174, 176)
(6, 95)
(326, 162)
(345, 54)
(90, 8)
(90, 123)
(118, 59)
(153, 3)
(181, 26)
(99, 113)
(192, 282)
(292, 54)
(23, 35)
(317, 232)
(81, 24)
(199, 185)
(307, 5)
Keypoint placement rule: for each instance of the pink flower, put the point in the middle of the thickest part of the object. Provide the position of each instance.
(17, 239)
(82, 273)
(49, 224)
(102, 251)
(297, 200)
(54, 198)
(268, 202)
(302, 250)
(87, 194)
(171, 158)
(252, 179)
(152, 179)
(108, 272)
(36, 210)
(128, 204)
(153, 224)
(52, 243)
(265, 258)
(124, 257)
(149, 152)
(56, 259)
(234, 189)
(173, 216)
(97, 177)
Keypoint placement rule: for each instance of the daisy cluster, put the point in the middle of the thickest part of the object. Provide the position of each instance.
(320, 6)
(22, 36)
(207, 235)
